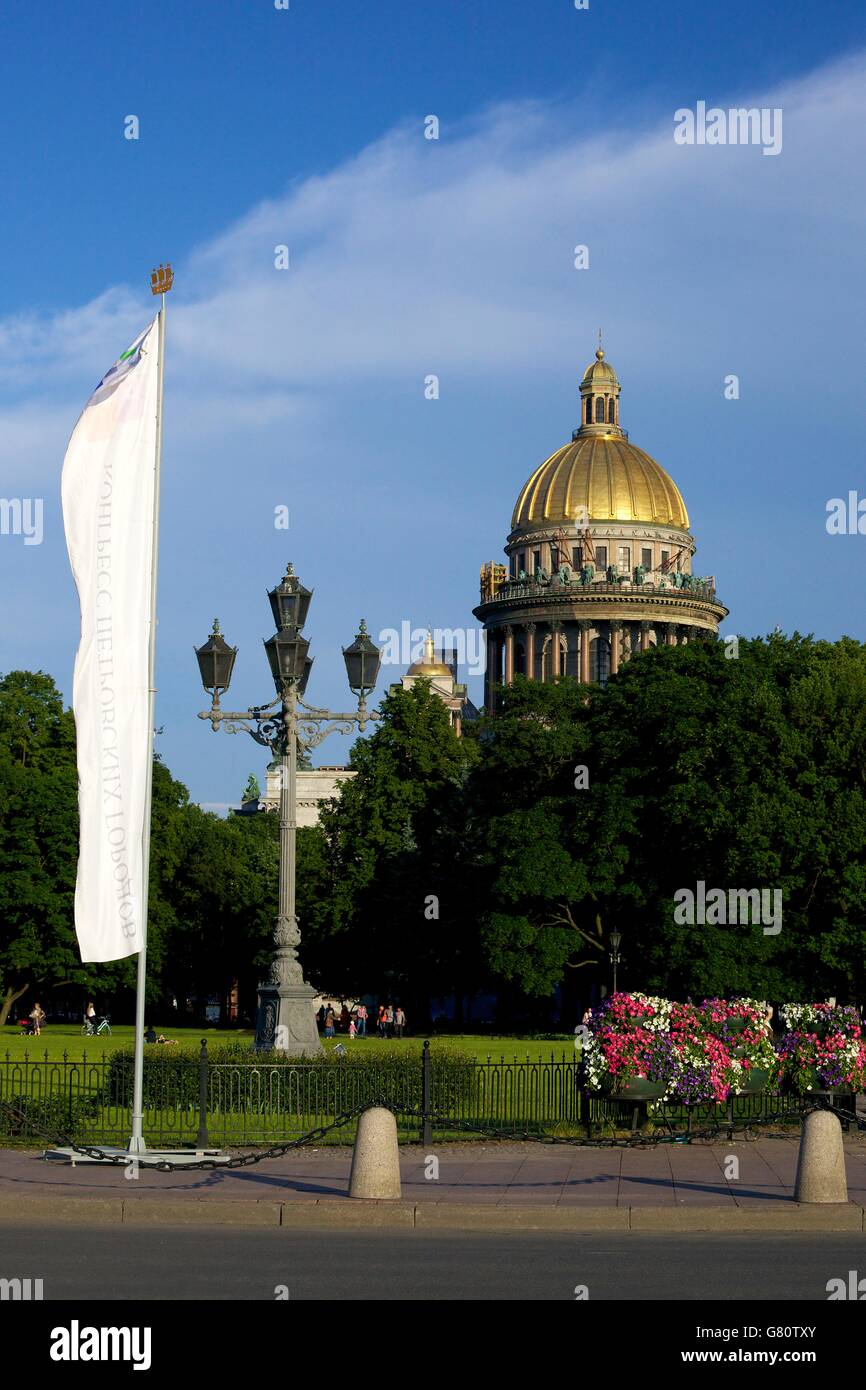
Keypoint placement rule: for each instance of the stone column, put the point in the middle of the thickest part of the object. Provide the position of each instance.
(615, 640)
(489, 648)
(583, 627)
(530, 651)
(555, 629)
(644, 636)
(509, 655)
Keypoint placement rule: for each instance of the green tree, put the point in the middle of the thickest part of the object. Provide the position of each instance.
(739, 773)
(38, 837)
(383, 905)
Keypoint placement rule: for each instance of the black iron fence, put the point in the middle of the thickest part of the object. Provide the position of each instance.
(254, 1101)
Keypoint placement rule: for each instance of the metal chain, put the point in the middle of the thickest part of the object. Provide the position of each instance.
(244, 1160)
(447, 1122)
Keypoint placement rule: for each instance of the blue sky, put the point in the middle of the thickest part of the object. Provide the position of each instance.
(409, 257)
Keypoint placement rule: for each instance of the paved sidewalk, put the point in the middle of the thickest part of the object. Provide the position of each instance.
(515, 1185)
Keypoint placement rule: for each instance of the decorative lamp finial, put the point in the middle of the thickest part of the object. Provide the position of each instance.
(216, 628)
(161, 279)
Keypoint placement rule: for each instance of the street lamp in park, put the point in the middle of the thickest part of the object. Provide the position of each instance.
(284, 1018)
(615, 957)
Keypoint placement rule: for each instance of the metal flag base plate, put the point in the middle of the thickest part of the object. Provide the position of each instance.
(146, 1159)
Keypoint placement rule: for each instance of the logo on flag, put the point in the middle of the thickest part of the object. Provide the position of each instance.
(125, 363)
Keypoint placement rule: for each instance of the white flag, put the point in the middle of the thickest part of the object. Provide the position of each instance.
(108, 514)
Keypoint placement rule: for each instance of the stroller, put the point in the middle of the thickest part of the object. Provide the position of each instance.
(27, 1027)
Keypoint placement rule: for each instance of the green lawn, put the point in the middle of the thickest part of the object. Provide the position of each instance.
(58, 1038)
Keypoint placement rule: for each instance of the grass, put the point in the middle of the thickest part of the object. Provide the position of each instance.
(59, 1099)
(57, 1038)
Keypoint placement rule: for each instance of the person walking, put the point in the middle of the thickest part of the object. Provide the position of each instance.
(380, 1021)
(353, 1031)
(361, 1015)
(399, 1022)
(389, 1021)
(329, 1022)
(37, 1014)
(344, 1018)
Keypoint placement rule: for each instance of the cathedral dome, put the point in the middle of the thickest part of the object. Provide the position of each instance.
(428, 665)
(603, 477)
(599, 476)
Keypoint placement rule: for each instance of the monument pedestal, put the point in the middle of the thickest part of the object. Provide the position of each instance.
(285, 1021)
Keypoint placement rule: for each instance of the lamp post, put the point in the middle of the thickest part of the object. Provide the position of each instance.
(615, 957)
(284, 1018)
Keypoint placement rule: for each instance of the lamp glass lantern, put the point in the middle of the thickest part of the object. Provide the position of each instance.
(290, 601)
(302, 683)
(216, 661)
(287, 657)
(363, 660)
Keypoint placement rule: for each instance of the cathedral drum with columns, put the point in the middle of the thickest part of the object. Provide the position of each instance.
(599, 558)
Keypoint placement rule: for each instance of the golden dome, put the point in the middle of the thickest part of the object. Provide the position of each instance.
(599, 372)
(429, 669)
(604, 476)
(429, 666)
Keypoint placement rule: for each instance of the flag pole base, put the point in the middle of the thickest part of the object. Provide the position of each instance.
(148, 1158)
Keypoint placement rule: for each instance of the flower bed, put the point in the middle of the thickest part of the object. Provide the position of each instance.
(823, 1049)
(694, 1054)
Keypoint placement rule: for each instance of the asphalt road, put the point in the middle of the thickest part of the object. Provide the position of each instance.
(117, 1263)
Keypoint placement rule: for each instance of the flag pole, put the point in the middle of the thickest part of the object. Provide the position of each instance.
(161, 283)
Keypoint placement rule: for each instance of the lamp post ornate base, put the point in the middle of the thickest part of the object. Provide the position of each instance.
(285, 1021)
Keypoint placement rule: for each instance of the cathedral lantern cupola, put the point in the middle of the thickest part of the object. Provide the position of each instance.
(599, 399)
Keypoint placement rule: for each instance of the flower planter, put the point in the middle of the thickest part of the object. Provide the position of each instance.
(757, 1081)
(638, 1088)
(812, 1083)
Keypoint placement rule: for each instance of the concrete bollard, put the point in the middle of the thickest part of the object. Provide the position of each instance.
(375, 1157)
(821, 1163)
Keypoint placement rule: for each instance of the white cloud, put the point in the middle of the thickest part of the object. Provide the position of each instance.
(455, 256)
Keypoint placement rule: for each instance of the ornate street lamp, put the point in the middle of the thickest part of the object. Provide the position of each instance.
(363, 660)
(615, 957)
(284, 1018)
(216, 661)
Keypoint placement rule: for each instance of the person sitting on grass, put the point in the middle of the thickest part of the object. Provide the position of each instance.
(151, 1036)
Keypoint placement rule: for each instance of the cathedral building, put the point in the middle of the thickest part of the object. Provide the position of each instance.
(442, 676)
(599, 558)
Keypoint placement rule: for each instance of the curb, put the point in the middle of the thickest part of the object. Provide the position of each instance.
(348, 1214)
